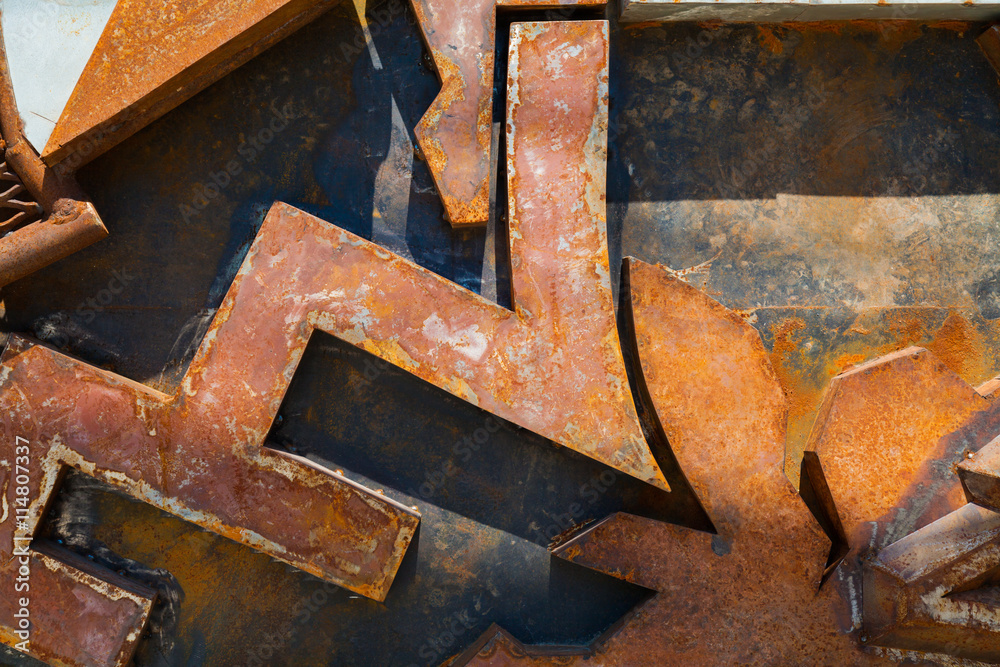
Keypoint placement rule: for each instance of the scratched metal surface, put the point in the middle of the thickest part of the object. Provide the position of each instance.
(904, 141)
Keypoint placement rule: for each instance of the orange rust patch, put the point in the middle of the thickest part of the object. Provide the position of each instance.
(957, 344)
(846, 362)
(769, 40)
(643, 25)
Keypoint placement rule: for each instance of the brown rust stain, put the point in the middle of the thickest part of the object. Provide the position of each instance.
(769, 40)
(806, 362)
(959, 345)
(892, 414)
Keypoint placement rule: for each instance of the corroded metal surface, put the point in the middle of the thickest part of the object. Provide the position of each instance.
(142, 67)
(173, 451)
(152, 57)
(70, 223)
(980, 476)
(935, 590)
(556, 156)
(639, 541)
(455, 132)
(755, 592)
(722, 408)
(78, 616)
(723, 411)
(554, 364)
(809, 347)
(199, 453)
(989, 42)
(906, 413)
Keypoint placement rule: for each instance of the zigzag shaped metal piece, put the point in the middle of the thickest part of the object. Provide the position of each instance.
(553, 365)
(767, 588)
(455, 133)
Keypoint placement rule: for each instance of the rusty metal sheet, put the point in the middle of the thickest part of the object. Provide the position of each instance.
(723, 412)
(754, 592)
(68, 220)
(79, 615)
(455, 133)
(989, 42)
(153, 56)
(143, 66)
(554, 364)
(199, 454)
(897, 413)
(749, 592)
(528, 365)
(980, 476)
(935, 590)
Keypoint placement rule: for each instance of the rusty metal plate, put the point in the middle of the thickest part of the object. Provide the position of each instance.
(70, 613)
(908, 413)
(142, 67)
(455, 133)
(172, 451)
(754, 591)
(980, 476)
(554, 364)
(152, 57)
(936, 590)
(199, 453)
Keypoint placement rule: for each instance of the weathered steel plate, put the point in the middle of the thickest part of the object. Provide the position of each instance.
(455, 133)
(753, 592)
(828, 287)
(152, 57)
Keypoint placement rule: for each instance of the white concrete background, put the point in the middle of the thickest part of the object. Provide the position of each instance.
(48, 43)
